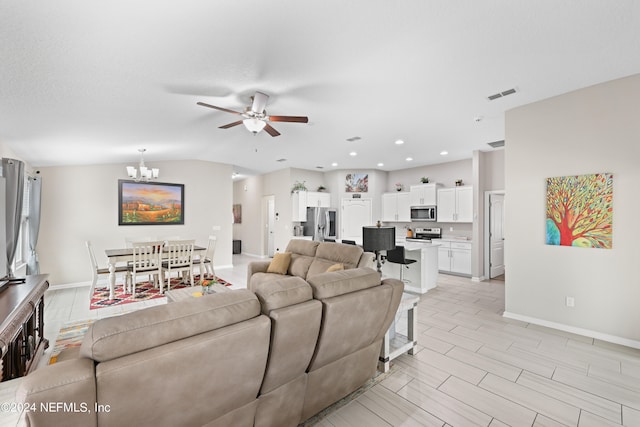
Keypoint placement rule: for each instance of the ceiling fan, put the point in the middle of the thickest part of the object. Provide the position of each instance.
(256, 118)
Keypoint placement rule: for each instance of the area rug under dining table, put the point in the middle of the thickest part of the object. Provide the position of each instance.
(144, 291)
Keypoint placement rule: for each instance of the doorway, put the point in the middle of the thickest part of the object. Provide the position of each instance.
(269, 209)
(355, 214)
(494, 234)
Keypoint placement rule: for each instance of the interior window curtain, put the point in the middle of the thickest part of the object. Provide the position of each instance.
(35, 190)
(13, 172)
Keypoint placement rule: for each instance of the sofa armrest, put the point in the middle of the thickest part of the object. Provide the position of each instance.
(62, 394)
(256, 267)
(368, 259)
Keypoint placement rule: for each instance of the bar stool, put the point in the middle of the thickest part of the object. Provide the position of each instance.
(397, 256)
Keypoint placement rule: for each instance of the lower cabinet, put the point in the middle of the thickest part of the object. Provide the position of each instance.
(454, 257)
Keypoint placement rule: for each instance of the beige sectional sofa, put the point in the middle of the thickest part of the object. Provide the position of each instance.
(274, 356)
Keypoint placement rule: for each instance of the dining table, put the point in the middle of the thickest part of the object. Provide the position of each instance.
(125, 255)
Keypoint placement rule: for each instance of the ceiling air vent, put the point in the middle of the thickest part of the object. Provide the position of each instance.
(501, 94)
(353, 138)
(281, 160)
(496, 144)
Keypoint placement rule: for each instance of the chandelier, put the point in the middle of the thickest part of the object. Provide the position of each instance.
(143, 173)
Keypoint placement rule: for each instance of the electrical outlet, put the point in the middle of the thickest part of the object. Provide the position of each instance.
(571, 302)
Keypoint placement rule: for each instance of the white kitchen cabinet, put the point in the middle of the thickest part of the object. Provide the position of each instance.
(454, 257)
(299, 206)
(396, 207)
(316, 199)
(423, 194)
(455, 204)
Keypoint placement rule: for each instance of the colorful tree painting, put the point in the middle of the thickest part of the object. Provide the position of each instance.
(580, 210)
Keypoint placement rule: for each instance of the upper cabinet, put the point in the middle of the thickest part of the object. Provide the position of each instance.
(300, 200)
(423, 194)
(396, 207)
(317, 199)
(455, 204)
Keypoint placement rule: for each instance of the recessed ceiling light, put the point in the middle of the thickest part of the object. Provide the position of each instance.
(399, 142)
(409, 159)
(380, 164)
(353, 154)
(334, 164)
(444, 153)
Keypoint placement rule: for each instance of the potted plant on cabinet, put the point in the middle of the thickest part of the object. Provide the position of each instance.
(424, 180)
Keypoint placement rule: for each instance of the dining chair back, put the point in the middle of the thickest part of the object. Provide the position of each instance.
(179, 257)
(205, 262)
(147, 259)
(129, 241)
(97, 271)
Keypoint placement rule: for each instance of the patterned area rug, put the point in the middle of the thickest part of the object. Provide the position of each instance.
(70, 336)
(144, 291)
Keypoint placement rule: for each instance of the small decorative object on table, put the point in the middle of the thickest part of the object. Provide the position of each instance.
(398, 186)
(459, 182)
(424, 180)
(206, 286)
(322, 189)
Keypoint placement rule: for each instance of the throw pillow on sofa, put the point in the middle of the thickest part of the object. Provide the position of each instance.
(280, 263)
(335, 267)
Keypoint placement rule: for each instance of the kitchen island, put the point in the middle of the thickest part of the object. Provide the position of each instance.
(421, 275)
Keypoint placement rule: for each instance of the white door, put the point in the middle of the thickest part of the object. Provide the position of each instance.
(496, 234)
(356, 213)
(270, 224)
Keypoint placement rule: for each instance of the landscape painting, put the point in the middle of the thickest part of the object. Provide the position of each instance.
(580, 210)
(357, 183)
(150, 203)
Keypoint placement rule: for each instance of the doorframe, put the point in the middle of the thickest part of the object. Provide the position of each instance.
(487, 226)
(265, 223)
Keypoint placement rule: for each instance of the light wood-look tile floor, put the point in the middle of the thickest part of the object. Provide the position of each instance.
(473, 367)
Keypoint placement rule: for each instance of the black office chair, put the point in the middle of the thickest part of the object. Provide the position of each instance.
(349, 242)
(397, 256)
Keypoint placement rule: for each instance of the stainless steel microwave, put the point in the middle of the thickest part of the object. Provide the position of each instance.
(423, 213)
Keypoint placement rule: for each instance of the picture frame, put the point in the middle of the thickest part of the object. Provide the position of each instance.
(356, 183)
(237, 213)
(150, 203)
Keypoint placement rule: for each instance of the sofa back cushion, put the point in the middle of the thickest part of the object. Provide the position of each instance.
(329, 254)
(118, 336)
(302, 255)
(351, 322)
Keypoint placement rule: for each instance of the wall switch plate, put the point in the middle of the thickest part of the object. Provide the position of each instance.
(450, 228)
(571, 302)
(216, 228)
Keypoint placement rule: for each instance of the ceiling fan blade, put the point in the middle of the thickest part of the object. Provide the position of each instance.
(226, 110)
(270, 130)
(230, 125)
(295, 119)
(259, 102)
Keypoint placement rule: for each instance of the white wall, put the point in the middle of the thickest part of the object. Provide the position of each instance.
(248, 193)
(587, 131)
(81, 203)
(443, 173)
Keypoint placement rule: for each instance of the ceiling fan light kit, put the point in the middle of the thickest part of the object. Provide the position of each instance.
(255, 116)
(146, 174)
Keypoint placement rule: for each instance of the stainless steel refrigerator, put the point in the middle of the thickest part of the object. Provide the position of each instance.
(320, 223)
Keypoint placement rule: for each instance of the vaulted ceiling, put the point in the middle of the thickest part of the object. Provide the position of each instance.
(86, 83)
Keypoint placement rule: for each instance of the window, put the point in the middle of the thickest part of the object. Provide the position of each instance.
(22, 249)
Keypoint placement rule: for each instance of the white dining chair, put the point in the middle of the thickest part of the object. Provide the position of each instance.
(147, 259)
(205, 262)
(129, 241)
(97, 271)
(179, 258)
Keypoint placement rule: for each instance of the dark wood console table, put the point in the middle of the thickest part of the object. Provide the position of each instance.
(22, 339)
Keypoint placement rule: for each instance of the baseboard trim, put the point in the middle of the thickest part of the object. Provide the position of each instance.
(477, 279)
(69, 285)
(575, 330)
(222, 267)
(254, 255)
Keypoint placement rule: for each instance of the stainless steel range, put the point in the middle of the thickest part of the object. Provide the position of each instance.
(426, 234)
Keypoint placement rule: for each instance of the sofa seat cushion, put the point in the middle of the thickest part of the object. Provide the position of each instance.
(329, 254)
(282, 292)
(327, 285)
(114, 337)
